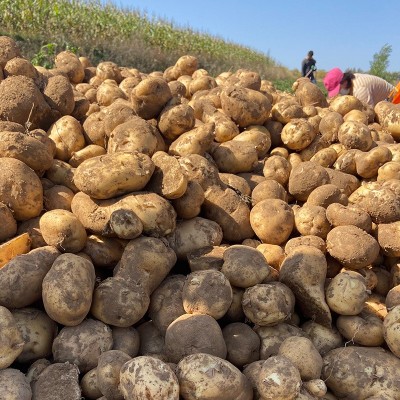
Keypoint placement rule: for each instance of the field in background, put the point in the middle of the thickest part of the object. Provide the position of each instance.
(43, 28)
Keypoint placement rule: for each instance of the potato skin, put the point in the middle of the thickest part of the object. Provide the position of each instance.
(14, 385)
(112, 175)
(20, 189)
(82, 344)
(21, 278)
(68, 288)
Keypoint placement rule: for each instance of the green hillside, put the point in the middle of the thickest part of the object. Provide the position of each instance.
(43, 28)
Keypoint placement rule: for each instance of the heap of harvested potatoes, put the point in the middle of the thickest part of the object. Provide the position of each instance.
(174, 235)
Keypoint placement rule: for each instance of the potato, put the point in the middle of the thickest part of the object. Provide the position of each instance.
(323, 338)
(234, 157)
(268, 189)
(38, 332)
(166, 302)
(149, 97)
(368, 164)
(104, 252)
(148, 377)
(68, 288)
(355, 135)
(242, 343)
(390, 330)
(118, 302)
(9, 228)
(309, 94)
(83, 344)
(126, 340)
(108, 70)
(58, 197)
(11, 339)
(297, 134)
(191, 334)
(388, 238)
(273, 253)
(258, 136)
(195, 141)
(14, 385)
(20, 189)
(352, 247)
(25, 148)
(67, 134)
(278, 169)
(189, 204)
(364, 329)
(346, 293)
(59, 95)
(92, 150)
(389, 170)
(268, 304)
(344, 104)
(21, 278)
(245, 106)
(311, 220)
(230, 211)
(168, 179)
(236, 182)
(362, 366)
(272, 221)
(240, 271)
(9, 50)
(279, 379)
(345, 182)
(61, 173)
(325, 157)
(339, 215)
(207, 292)
(156, 214)
(327, 194)
(24, 103)
(304, 356)
(152, 341)
(176, 119)
(108, 373)
(285, 110)
(89, 385)
(209, 257)
(68, 63)
(63, 230)
(380, 201)
(209, 377)
(304, 272)
(252, 371)
(104, 177)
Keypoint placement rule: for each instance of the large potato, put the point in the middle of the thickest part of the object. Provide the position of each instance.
(68, 288)
(21, 278)
(82, 344)
(112, 175)
(20, 189)
(14, 385)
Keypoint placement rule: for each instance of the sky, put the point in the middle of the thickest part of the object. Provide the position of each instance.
(342, 33)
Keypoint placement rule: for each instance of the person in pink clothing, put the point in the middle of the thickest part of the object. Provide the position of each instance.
(367, 88)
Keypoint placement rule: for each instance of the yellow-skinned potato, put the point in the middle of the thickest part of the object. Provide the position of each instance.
(272, 221)
(368, 164)
(59, 197)
(273, 253)
(268, 189)
(9, 228)
(297, 134)
(388, 238)
(87, 152)
(346, 293)
(38, 331)
(307, 94)
(67, 134)
(285, 110)
(355, 135)
(225, 128)
(62, 229)
(339, 214)
(258, 136)
(323, 338)
(236, 182)
(108, 373)
(311, 220)
(68, 63)
(89, 386)
(189, 204)
(168, 179)
(11, 339)
(344, 104)
(389, 170)
(112, 175)
(325, 157)
(325, 195)
(20, 189)
(68, 289)
(278, 169)
(146, 376)
(176, 119)
(307, 240)
(61, 173)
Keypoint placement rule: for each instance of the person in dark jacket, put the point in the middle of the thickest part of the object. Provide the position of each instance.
(308, 66)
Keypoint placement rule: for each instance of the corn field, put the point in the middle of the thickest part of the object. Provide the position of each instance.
(125, 36)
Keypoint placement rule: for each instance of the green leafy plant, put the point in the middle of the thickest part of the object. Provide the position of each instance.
(45, 56)
(380, 62)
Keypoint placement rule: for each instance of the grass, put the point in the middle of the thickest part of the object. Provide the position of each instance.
(125, 36)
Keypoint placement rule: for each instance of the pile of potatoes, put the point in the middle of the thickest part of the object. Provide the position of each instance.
(194, 237)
